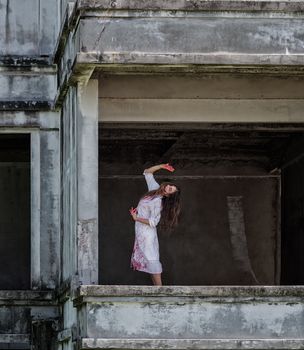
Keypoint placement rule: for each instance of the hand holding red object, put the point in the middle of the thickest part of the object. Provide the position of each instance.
(168, 167)
(133, 212)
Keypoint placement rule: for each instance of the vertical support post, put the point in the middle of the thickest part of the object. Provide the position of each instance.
(278, 248)
(35, 210)
(50, 208)
(87, 171)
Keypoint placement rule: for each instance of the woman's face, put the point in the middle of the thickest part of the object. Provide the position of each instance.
(169, 189)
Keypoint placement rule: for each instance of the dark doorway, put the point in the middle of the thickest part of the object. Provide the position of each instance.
(293, 213)
(15, 211)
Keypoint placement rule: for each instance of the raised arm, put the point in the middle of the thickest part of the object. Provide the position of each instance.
(154, 168)
(148, 173)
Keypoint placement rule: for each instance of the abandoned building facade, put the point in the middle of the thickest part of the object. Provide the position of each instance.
(94, 91)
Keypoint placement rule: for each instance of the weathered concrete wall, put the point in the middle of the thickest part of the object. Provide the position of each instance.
(68, 334)
(69, 279)
(69, 188)
(194, 33)
(179, 36)
(215, 317)
(79, 184)
(29, 32)
(17, 89)
(265, 39)
(29, 28)
(20, 311)
(37, 87)
(28, 120)
(45, 191)
(79, 198)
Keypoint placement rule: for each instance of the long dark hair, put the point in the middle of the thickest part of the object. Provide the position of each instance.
(171, 206)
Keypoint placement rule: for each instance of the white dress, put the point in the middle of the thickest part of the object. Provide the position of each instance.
(145, 256)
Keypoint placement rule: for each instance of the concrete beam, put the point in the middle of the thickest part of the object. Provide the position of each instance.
(27, 90)
(204, 86)
(200, 40)
(30, 120)
(196, 5)
(269, 41)
(201, 110)
(222, 61)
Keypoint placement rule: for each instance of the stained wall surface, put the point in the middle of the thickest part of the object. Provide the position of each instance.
(33, 34)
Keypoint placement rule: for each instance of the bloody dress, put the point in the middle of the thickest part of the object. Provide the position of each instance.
(145, 255)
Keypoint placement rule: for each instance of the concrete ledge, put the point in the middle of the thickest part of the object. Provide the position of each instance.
(26, 297)
(216, 317)
(26, 61)
(277, 344)
(192, 58)
(14, 341)
(196, 5)
(153, 63)
(191, 291)
(38, 120)
(26, 105)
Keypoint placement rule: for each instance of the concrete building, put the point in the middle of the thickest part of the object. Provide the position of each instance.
(94, 91)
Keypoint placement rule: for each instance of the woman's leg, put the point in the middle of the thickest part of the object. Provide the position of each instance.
(156, 279)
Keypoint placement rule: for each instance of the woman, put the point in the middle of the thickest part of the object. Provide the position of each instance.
(161, 203)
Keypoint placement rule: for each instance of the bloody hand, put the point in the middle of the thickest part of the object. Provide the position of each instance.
(168, 167)
(133, 212)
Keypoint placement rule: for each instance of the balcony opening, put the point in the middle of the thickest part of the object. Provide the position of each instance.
(15, 211)
(241, 194)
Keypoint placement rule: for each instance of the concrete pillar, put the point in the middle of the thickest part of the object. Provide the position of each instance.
(35, 210)
(50, 208)
(87, 173)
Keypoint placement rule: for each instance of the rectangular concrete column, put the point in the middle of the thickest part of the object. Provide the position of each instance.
(35, 210)
(87, 173)
(50, 208)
